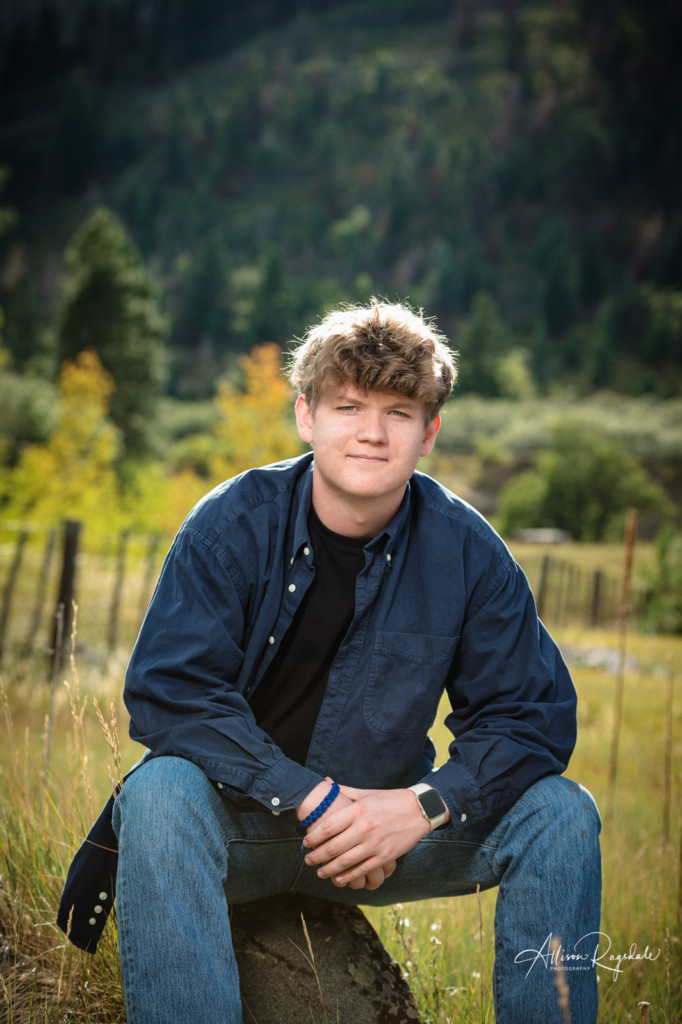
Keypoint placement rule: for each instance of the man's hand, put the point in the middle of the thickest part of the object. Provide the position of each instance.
(371, 879)
(363, 833)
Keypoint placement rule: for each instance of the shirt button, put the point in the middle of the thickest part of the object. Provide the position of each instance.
(291, 561)
(103, 895)
(271, 639)
(98, 909)
(462, 817)
(93, 920)
(220, 785)
(388, 558)
(306, 551)
(292, 588)
(275, 801)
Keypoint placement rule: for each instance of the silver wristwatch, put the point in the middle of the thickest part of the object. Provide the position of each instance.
(431, 804)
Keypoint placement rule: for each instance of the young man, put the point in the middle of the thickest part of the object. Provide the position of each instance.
(308, 619)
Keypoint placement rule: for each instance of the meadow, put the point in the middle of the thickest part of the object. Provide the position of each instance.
(60, 748)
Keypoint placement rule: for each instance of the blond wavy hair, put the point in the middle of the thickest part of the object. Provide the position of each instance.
(378, 347)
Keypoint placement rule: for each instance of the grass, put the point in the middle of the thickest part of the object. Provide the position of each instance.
(444, 946)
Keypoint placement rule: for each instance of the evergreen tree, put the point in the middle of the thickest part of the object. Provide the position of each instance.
(203, 313)
(272, 317)
(481, 341)
(111, 305)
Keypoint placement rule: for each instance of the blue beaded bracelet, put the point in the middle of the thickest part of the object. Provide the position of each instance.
(321, 808)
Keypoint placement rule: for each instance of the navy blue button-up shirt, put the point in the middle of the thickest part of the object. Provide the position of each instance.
(441, 607)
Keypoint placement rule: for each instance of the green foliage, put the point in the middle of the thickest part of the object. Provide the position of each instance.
(646, 324)
(583, 483)
(481, 341)
(28, 412)
(662, 612)
(435, 155)
(649, 427)
(110, 304)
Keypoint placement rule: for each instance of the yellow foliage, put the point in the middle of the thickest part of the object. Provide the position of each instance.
(257, 421)
(72, 475)
(186, 488)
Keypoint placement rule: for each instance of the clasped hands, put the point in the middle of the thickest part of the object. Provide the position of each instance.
(359, 837)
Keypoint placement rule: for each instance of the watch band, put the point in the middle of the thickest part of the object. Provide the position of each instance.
(431, 804)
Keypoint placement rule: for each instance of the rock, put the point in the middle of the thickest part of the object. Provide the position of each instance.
(339, 972)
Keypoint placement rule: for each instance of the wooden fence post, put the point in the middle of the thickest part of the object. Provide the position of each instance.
(9, 587)
(41, 590)
(624, 621)
(560, 592)
(67, 586)
(597, 587)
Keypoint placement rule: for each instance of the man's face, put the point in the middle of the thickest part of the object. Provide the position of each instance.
(366, 447)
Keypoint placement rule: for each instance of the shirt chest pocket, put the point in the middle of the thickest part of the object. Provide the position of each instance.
(406, 679)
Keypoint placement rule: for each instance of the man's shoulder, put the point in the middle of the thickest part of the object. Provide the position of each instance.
(254, 494)
(445, 512)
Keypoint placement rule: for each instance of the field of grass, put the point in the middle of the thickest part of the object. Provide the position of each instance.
(445, 947)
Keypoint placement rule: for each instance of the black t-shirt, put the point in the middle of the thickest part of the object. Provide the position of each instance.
(288, 698)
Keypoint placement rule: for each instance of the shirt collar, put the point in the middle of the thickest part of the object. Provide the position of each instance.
(386, 538)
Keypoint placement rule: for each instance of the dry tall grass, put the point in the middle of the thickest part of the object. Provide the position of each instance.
(445, 946)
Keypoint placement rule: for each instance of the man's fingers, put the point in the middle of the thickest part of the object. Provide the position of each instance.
(332, 823)
(373, 879)
(389, 868)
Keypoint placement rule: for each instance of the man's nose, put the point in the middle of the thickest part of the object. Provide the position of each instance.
(372, 428)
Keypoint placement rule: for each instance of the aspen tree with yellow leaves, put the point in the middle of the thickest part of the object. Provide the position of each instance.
(257, 422)
(72, 475)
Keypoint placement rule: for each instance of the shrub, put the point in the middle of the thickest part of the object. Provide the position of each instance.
(583, 483)
(663, 593)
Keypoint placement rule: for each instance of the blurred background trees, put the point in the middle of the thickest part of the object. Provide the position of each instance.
(271, 162)
(188, 185)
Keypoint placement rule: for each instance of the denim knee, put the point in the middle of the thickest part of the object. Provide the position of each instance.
(558, 813)
(574, 806)
(161, 795)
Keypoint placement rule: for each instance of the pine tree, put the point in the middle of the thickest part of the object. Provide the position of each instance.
(111, 305)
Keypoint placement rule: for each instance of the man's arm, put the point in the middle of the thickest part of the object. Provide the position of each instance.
(182, 682)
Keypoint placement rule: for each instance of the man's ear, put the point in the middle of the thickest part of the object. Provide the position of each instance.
(304, 420)
(430, 433)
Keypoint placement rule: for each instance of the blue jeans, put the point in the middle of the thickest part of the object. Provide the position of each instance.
(185, 853)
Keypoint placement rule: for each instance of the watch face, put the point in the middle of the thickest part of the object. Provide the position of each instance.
(432, 803)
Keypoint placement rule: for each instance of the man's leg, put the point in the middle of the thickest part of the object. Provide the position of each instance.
(544, 855)
(181, 849)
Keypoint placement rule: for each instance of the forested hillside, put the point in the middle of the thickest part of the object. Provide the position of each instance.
(513, 167)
